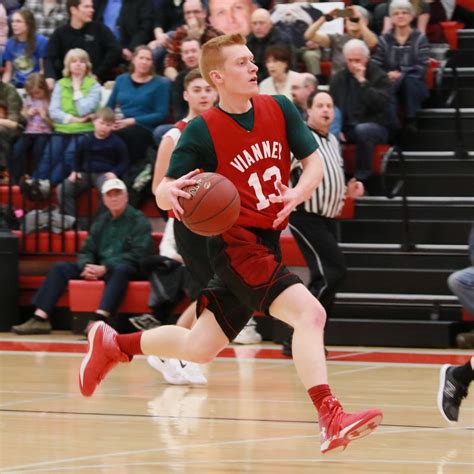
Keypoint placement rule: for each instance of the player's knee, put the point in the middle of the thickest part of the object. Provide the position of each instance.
(314, 317)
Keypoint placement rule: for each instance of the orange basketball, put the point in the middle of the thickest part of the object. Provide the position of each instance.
(214, 206)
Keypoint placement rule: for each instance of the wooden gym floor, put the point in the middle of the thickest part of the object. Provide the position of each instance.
(254, 416)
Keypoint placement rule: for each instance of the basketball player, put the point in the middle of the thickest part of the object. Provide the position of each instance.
(247, 138)
(192, 248)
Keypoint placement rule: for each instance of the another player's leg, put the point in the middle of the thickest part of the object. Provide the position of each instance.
(175, 371)
(453, 384)
(297, 307)
(107, 348)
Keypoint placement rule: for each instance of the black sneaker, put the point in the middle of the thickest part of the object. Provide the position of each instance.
(144, 322)
(450, 394)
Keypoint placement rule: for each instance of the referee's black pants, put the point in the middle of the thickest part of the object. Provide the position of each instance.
(316, 237)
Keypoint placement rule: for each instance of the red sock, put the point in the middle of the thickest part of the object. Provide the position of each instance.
(130, 343)
(318, 393)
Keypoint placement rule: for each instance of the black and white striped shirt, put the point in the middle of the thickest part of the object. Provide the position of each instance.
(328, 198)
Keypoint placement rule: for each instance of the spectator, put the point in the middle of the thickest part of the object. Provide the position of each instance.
(131, 21)
(96, 158)
(143, 98)
(76, 96)
(450, 10)
(168, 17)
(356, 27)
(74, 101)
(277, 62)
(419, 20)
(118, 240)
(313, 223)
(231, 16)
(24, 51)
(461, 283)
(362, 92)
(263, 34)
(3, 31)
(38, 126)
(11, 122)
(12, 6)
(49, 15)
(190, 51)
(82, 32)
(403, 54)
(302, 86)
(195, 27)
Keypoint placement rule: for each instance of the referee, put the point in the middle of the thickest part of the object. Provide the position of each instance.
(313, 223)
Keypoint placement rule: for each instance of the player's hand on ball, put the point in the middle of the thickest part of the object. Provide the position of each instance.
(175, 189)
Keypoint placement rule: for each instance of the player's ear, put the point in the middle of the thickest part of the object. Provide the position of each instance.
(185, 96)
(216, 76)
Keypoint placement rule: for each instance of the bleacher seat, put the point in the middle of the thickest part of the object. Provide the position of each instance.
(349, 155)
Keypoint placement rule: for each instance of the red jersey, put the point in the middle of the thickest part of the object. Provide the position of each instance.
(253, 160)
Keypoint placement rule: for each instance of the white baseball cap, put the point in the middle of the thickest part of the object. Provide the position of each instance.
(113, 184)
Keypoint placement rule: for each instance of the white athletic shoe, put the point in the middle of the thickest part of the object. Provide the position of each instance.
(249, 334)
(171, 370)
(193, 372)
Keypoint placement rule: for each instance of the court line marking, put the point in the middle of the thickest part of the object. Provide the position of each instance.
(271, 461)
(209, 418)
(219, 444)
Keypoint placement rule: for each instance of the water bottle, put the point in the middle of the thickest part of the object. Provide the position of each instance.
(118, 112)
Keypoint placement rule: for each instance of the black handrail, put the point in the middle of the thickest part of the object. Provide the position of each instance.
(400, 186)
(460, 151)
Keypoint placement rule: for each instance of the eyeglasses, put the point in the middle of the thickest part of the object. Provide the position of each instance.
(192, 12)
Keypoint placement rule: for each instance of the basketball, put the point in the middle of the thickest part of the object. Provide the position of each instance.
(214, 206)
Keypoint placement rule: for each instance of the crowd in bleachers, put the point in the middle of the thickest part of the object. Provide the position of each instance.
(64, 60)
(146, 47)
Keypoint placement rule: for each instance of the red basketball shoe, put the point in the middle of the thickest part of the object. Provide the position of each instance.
(338, 428)
(103, 355)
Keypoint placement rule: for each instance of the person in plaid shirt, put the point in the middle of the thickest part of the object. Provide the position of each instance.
(48, 14)
(195, 27)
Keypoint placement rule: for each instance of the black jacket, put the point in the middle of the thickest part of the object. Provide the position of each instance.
(374, 97)
(135, 21)
(258, 47)
(95, 38)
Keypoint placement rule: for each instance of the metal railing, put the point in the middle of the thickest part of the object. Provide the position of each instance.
(400, 188)
(460, 150)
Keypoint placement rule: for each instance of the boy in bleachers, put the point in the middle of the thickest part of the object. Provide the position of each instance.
(98, 156)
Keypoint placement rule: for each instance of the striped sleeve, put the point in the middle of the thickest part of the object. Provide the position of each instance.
(328, 198)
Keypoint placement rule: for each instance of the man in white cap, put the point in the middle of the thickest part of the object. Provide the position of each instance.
(119, 238)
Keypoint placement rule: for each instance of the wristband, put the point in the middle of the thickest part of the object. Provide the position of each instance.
(328, 17)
